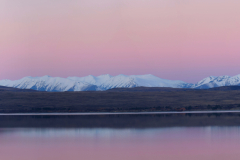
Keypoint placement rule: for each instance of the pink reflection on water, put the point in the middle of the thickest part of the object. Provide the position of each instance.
(109, 144)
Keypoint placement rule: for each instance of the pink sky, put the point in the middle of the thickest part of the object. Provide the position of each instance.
(186, 40)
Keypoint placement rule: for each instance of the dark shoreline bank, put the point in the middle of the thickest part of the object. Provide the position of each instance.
(140, 99)
(120, 121)
(116, 113)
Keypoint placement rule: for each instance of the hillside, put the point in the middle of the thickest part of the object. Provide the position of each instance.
(10, 89)
(116, 101)
(148, 89)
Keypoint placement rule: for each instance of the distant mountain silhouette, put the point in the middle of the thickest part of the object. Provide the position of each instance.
(106, 82)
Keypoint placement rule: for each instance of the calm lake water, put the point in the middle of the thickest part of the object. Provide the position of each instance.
(170, 137)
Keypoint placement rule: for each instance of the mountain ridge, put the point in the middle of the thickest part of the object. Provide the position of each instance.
(106, 82)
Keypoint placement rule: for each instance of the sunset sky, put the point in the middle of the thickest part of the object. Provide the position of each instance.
(173, 39)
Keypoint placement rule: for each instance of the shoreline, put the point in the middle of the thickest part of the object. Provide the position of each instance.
(115, 113)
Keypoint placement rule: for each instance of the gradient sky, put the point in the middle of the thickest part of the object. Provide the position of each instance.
(172, 39)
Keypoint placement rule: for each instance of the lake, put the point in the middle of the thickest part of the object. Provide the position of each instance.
(184, 136)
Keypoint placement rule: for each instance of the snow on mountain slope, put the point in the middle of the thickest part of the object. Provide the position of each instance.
(46, 83)
(211, 82)
(105, 82)
(153, 81)
(92, 79)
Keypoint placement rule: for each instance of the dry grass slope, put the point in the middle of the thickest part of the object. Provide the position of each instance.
(118, 100)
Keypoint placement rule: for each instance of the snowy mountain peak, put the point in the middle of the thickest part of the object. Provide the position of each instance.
(236, 77)
(47, 83)
(105, 76)
(28, 77)
(206, 80)
(105, 82)
(46, 76)
(212, 81)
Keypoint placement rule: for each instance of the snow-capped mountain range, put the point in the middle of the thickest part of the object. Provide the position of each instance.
(47, 83)
(105, 82)
(212, 81)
